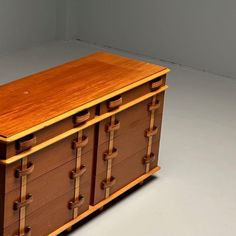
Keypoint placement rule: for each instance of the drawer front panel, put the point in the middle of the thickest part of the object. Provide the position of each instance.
(52, 215)
(130, 118)
(123, 173)
(139, 112)
(132, 94)
(131, 135)
(126, 146)
(48, 159)
(48, 187)
(51, 131)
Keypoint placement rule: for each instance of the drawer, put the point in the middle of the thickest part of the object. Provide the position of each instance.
(126, 145)
(129, 118)
(48, 187)
(123, 173)
(52, 215)
(131, 135)
(47, 133)
(132, 94)
(48, 159)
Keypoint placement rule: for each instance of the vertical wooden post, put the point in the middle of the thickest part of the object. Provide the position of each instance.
(110, 150)
(77, 167)
(24, 163)
(151, 126)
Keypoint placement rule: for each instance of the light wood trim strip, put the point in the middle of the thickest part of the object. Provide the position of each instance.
(104, 202)
(110, 150)
(85, 106)
(22, 213)
(152, 120)
(77, 180)
(77, 129)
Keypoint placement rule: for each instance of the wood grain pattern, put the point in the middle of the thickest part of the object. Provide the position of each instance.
(133, 115)
(104, 202)
(47, 133)
(47, 188)
(124, 172)
(35, 100)
(75, 130)
(52, 215)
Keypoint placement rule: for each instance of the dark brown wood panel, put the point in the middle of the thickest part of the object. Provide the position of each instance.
(124, 172)
(52, 215)
(126, 145)
(130, 118)
(50, 132)
(129, 138)
(48, 159)
(2, 188)
(133, 94)
(47, 187)
(43, 96)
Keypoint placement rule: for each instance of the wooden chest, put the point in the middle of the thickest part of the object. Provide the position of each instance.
(75, 137)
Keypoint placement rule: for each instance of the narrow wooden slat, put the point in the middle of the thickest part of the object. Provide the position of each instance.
(152, 121)
(104, 202)
(22, 213)
(110, 150)
(75, 130)
(77, 180)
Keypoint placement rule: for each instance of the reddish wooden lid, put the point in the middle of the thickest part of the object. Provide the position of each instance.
(41, 97)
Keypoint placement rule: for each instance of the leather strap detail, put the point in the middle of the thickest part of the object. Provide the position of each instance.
(151, 132)
(81, 117)
(148, 159)
(78, 173)
(26, 143)
(80, 143)
(76, 204)
(110, 156)
(108, 183)
(27, 232)
(19, 173)
(18, 205)
(114, 103)
(156, 84)
(113, 127)
(154, 107)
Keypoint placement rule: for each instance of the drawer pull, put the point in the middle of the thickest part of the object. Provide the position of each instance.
(81, 117)
(18, 204)
(27, 231)
(113, 127)
(149, 158)
(153, 107)
(26, 143)
(151, 132)
(19, 173)
(108, 156)
(114, 103)
(156, 84)
(78, 173)
(79, 143)
(108, 183)
(76, 204)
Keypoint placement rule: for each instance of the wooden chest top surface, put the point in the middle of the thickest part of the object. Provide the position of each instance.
(68, 88)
